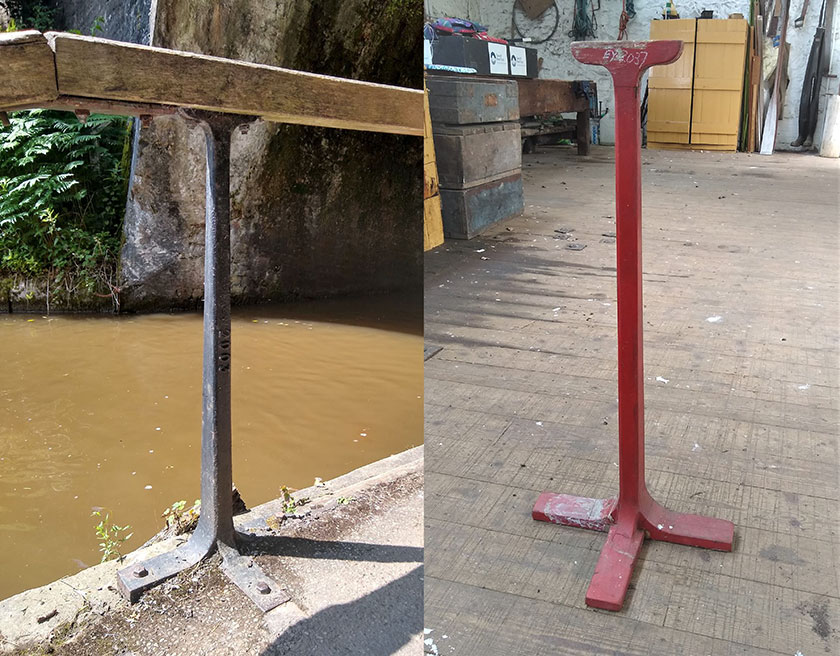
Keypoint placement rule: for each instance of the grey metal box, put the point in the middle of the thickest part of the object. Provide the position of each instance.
(459, 100)
(469, 212)
(468, 155)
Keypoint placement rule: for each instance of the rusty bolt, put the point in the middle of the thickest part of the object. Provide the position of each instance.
(145, 121)
(140, 571)
(263, 587)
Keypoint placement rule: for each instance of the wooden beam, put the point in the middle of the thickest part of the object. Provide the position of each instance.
(96, 106)
(27, 69)
(109, 70)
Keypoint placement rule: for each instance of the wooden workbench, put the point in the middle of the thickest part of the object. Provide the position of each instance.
(545, 97)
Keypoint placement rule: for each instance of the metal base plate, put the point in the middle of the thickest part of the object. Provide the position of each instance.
(242, 570)
(134, 580)
(250, 578)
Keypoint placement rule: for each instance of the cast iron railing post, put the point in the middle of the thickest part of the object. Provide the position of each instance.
(215, 525)
(634, 513)
(216, 519)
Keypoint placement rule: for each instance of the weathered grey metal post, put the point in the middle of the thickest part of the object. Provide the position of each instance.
(215, 525)
(216, 520)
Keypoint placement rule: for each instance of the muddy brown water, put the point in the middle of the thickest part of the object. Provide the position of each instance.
(105, 412)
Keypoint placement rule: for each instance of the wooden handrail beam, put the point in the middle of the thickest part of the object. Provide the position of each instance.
(110, 70)
(27, 69)
(36, 69)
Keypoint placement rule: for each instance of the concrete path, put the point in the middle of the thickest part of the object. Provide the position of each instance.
(741, 258)
(353, 567)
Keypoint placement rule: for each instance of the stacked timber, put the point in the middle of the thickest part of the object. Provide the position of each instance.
(478, 148)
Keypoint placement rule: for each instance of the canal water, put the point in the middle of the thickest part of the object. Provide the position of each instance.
(105, 412)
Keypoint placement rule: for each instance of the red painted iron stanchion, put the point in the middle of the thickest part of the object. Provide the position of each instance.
(633, 513)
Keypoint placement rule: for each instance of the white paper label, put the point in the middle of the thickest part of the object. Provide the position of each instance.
(518, 65)
(498, 58)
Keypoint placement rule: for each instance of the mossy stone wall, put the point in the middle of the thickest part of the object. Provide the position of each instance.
(315, 211)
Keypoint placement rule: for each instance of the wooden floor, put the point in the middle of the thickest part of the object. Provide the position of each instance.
(741, 262)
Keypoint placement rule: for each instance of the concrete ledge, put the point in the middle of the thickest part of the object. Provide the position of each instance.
(320, 497)
(55, 610)
(71, 609)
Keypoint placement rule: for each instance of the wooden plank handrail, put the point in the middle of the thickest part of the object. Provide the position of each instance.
(27, 69)
(59, 69)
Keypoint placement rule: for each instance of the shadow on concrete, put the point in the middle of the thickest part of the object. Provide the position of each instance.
(377, 624)
(277, 545)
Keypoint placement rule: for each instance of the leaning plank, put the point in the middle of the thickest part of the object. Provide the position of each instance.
(109, 70)
(27, 69)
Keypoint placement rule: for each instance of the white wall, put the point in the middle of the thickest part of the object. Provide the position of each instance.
(800, 40)
(558, 61)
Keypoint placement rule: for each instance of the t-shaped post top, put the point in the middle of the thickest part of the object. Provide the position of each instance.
(626, 60)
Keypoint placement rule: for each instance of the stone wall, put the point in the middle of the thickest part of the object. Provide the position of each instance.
(558, 61)
(121, 20)
(315, 211)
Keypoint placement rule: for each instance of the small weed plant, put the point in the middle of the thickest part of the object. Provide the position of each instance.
(180, 518)
(290, 504)
(110, 536)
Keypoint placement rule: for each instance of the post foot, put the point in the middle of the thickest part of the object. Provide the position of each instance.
(615, 568)
(615, 564)
(248, 576)
(691, 530)
(134, 580)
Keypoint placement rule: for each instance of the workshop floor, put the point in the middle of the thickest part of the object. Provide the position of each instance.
(741, 262)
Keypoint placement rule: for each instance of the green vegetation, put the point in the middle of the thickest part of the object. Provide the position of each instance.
(28, 15)
(110, 535)
(290, 504)
(180, 518)
(63, 186)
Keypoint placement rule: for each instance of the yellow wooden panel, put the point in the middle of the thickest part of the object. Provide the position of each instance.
(432, 223)
(669, 95)
(718, 82)
(658, 145)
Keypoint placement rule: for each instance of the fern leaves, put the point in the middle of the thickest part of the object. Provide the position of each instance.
(62, 192)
